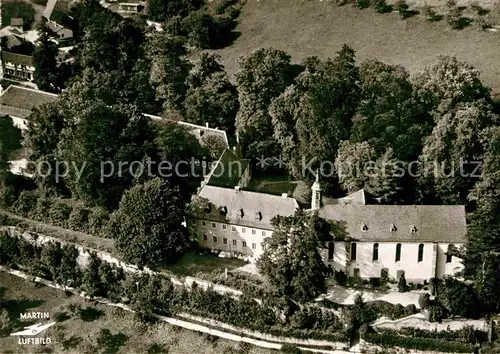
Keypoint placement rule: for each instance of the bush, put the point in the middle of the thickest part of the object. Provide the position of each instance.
(78, 220)
(363, 4)
(26, 203)
(431, 14)
(98, 219)
(59, 213)
(5, 322)
(402, 287)
(382, 7)
(402, 7)
(390, 338)
(223, 5)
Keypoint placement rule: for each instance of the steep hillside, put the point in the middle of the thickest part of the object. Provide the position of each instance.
(313, 27)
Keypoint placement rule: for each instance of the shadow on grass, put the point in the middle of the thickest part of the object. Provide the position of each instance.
(18, 306)
(409, 13)
(90, 314)
(435, 18)
(111, 343)
(71, 342)
(462, 23)
(157, 349)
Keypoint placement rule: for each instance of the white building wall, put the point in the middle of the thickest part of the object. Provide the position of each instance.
(235, 235)
(414, 270)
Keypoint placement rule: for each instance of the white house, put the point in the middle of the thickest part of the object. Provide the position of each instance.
(17, 66)
(370, 240)
(234, 220)
(59, 18)
(18, 102)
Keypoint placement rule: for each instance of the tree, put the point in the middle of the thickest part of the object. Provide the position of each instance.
(402, 287)
(351, 163)
(291, 260)
(100, 172)
(45, 125)
(263, 75)
(211, 98)
(452, 152)
(449, 81)
(486, 191)
(147, 225)
(45, 61)
(169, 69)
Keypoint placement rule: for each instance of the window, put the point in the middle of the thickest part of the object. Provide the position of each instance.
(224, 227)
(375, 252)
(254, 246)
(449, 256)
(420, 252)
(233, 228)
(244, 244)
(243, 230)
(331, 250)
(205, 238)
(215, 239)
(364, 228)
(203, 223)
(253, 232)
(264, 233)
(353, 251)
(224, 241)
(214, 225)
(234, 243)
(398, 252)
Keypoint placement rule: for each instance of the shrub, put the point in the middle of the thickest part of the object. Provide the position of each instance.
(25, 203)
(59, 213)
(431, 14)
(5, 322)
(402, 287)
(382, 7)
(402, 7)
(98, 219)
(79, 218)
(389, 338)
(363, 4)
(223, 5)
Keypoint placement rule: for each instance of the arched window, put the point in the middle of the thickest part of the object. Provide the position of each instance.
(375, 252)
(331, 250)
(353, 251)
(449, 256)
(421, 252)
(398, 252)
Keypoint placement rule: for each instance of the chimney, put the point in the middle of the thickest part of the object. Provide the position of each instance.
(237, 188)
(284, 195)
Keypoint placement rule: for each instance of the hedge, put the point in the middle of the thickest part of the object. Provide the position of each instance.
(390, 340)
(156, 294)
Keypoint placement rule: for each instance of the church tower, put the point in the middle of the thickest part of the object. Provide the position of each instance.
(316, 194)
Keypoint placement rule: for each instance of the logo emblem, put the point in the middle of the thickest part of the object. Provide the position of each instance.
(33, 330)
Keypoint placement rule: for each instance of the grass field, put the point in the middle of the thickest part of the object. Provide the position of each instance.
(82, 333)
(313, 27)
(192, 263)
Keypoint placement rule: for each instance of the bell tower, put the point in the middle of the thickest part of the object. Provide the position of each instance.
(316, 194)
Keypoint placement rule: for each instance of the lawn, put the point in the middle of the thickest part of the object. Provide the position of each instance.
(193, 263)
(305, 28)
(84, 331)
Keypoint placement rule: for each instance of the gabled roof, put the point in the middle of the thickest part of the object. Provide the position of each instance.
(360, 197)
(19, 101)
(202, 133)
(18, 59)
(58, 11)
(430, 223)
(243, 208)
(228, 170)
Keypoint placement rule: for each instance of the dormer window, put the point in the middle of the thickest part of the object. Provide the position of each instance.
(413, 229)
(223, 211)
(364, 228)
(258, 216)
(208, 208)
(240, 213)
(393, 228)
